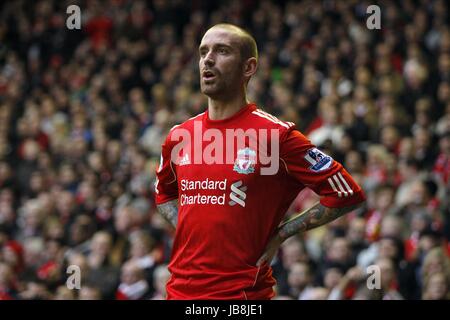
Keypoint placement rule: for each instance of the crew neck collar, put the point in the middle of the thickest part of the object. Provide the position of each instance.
(214, 123)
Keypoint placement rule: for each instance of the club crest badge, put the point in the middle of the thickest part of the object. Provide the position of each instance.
(245, 161)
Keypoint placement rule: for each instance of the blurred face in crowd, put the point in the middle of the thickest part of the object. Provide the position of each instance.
(79, 260)
(339, 250)
(407, 169)
(5, 275)
(89, 293)
(124, 219)
(10, 256)
(7, 215)
(5, 171)
(67, 175)
(387, 271)
(421, 138)
(444, 91)
(332, 277)
(80, 229)
(418, 193)
(131, 273)
(329, 113)
(30, 150)
(292, 251)
(32, 214)
(436, 287)
(388, 248)
(389, 116)
(391, 226)
(140, 246)
(356, 231)
(435, 261)
(406, 147)
(35, 291)
(428, 242)
(353, 162)
(33, 251)
(346, 143)
(389, 137)
(101, 243)
(64, 293)
(299, 275)
(384, 198)
(161, 277)
(419, 221)
(223, 70)
(318, 294)
(444, 144)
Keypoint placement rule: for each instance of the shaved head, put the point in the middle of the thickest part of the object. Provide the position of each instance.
(247, 44)
(227, 60)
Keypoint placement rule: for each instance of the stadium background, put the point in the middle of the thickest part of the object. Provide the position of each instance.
(83, 113)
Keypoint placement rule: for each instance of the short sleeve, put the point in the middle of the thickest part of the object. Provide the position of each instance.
(318, 171)
(166, 186)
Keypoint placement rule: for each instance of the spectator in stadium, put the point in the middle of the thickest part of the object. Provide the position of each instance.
(348, 284)
(64, 293)
(435, 261)
(292, 250)
(144, 253)
(8, 290)
(133, 285)
(442, 165)
(161, 276)
(436, 287)
(300, 280)
(388, 279)
(339, 252)
(89, 292)
(332, 276)
(34, 290)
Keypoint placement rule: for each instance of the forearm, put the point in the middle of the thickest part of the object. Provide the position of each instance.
(169, 211)
(313, 217)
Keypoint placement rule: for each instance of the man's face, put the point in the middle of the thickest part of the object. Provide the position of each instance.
(220, 64)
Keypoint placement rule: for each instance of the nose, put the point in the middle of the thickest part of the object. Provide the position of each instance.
(209, 59)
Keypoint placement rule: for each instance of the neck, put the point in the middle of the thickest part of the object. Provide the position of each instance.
(223, 109)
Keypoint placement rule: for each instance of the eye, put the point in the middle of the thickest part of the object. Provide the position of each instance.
(223, 51)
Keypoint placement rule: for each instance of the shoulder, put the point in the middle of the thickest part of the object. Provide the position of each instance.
(189, 123)
(264, 119)
(186, 125)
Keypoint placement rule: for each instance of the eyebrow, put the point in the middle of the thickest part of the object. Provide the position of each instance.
(217, 45)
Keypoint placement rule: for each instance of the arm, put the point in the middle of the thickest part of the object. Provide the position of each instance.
(311, 218)
(169, 210)
(166, 186)
(338, 191)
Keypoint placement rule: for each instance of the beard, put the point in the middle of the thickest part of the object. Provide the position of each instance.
(219, 87)
(212, 90)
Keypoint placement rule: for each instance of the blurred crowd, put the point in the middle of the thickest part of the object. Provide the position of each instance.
(83, 114)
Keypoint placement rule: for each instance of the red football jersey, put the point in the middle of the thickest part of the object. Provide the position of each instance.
(230, 208)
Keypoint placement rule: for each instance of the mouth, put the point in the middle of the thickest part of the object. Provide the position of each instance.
(208, 75)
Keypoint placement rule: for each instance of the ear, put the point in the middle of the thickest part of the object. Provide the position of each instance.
(250, 67)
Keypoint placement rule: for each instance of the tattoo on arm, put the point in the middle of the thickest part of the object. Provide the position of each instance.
(169, 211)
(312, 218)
